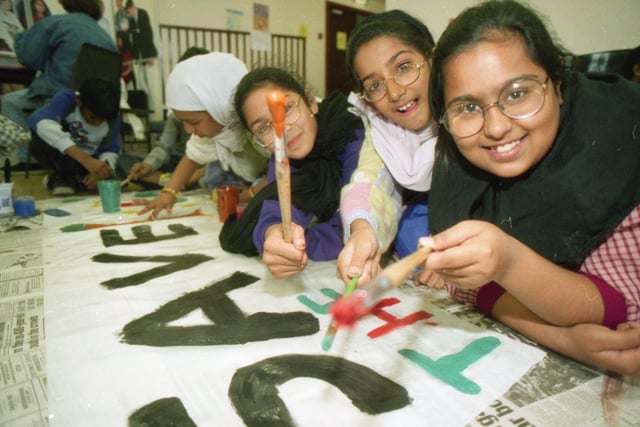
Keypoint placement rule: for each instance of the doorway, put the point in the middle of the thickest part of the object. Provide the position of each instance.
(340, 22)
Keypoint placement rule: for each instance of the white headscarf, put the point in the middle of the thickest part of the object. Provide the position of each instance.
(408, 155)
(207, 83)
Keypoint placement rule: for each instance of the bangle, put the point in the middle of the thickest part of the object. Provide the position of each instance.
(251, 193)
(171, 191)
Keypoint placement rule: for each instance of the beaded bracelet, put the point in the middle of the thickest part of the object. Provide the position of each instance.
(171, 191)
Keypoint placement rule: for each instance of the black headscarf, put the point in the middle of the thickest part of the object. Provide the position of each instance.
(567, 204)
(315, 186)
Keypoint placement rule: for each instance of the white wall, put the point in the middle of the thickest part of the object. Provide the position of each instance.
(288, 17)
(583, 26)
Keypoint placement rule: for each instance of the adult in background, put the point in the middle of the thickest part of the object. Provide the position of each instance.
(51, 47)
(143, 49)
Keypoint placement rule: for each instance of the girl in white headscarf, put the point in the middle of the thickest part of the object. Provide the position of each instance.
(200, 93)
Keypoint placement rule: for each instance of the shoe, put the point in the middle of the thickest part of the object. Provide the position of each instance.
(48, 181)
(63, 190)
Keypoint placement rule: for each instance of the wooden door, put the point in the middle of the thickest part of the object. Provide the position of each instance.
(340, 22)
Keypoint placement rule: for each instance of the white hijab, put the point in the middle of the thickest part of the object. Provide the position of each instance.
(207, 83)
(408, 155)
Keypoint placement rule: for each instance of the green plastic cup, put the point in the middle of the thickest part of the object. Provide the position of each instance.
(109, 195)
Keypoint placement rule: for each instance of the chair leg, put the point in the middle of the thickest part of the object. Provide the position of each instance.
(7, 170)
(27, 163)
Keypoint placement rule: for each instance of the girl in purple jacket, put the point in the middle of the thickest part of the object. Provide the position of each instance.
(323, 144)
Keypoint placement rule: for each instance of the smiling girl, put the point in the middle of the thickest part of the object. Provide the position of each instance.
(389, 61)
(323, 143)
(535, 189)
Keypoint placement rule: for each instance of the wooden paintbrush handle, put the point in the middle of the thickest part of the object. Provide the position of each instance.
(400, 270)
(276, 102)
(283, 178)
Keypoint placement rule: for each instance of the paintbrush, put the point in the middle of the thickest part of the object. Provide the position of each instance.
(125, 182)
(276, 101)
(348, 309)
(327, 341)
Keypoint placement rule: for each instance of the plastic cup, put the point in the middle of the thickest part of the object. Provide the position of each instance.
(227, 200)
(6, 199)
(109, 195)
(24, 206)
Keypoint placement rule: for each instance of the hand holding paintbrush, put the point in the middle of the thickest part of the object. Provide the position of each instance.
(276, 101)
(348, 309)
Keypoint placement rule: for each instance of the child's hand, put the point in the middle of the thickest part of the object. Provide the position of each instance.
(360, 255)
(430, 278)
(282, 258)
(138, 170)
(91, 181)
(100, 169)
(617, 351)
(470, 254)
(163, 201)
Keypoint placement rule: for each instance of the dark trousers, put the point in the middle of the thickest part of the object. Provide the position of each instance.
(64, 170)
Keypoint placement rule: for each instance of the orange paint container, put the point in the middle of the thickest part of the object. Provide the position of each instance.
(227, 200)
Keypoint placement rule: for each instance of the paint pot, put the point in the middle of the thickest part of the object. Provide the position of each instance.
(109, 195)
(24, 206)
(6, 199)
(227, 200)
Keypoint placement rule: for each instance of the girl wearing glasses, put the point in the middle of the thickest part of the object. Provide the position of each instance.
(389, 61)
(535, 194)
(323, 144)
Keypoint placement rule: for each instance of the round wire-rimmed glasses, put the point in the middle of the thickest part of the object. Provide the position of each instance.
(519, 100)
(406, 73)
(262, 133)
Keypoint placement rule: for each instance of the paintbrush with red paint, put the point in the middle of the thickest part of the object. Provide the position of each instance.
(329, 336)
(348, 309)
(276, 101)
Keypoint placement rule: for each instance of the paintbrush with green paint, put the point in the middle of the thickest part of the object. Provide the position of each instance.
(327, 341)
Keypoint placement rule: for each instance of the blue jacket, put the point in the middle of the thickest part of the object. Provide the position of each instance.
(51, 47)
(60, 125)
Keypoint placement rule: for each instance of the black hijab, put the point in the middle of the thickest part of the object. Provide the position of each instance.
(567, 204)
(315, 186)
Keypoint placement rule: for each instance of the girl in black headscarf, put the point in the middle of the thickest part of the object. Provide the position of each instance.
(323, 145)
(536, 187)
